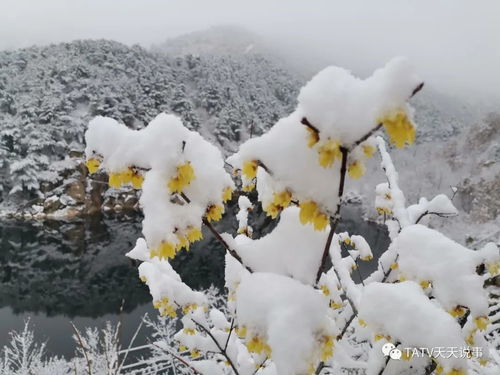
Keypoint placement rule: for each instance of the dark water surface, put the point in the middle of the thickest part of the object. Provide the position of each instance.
(57, 272)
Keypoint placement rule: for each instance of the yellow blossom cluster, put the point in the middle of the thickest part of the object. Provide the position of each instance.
(165, 307)
(249, 171)
(93, 165)
(399, 128)
(168, 250)
(310, 213)
(327, 344)
(185, 174)
(187, 308)
(258, 345)
(214, 212)
(493, 268)
(227, 194)
(127, 176)
(356, 169)
(328, 152)
(280, 201)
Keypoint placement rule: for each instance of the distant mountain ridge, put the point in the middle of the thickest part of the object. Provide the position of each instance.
(48, 95)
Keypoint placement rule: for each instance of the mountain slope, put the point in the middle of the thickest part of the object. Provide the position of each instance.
(48, 95)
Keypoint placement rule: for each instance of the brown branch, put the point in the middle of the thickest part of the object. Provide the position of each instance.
(306, 122)
(229, 335)
(219, 238)
(336, 216)
(365, 137)
(432, 213)
(417, 89)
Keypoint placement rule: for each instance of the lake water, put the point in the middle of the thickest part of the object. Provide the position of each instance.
(58, 272)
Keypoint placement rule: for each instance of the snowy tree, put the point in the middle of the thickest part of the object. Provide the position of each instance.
(293, 304)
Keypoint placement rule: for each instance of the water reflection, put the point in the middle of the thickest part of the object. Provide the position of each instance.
(59, 271)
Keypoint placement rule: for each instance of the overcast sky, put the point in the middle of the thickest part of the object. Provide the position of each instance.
(455, 43)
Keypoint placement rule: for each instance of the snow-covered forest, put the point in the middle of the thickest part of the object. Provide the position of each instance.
(281, 195)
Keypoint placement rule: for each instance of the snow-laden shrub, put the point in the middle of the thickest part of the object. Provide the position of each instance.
(293, 306)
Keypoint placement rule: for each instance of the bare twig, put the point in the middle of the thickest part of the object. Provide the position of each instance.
(229, 335)
(219, 238)
(130, 346)
(84, 349)
(336, 216)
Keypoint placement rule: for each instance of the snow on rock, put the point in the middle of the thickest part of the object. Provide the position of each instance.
(288, 314)
(426, 255)
(291, 249)
(403, 312)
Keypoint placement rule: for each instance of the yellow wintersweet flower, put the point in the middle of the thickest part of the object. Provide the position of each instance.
(328, 152)
(312, 137)
(325, 289)
(307, 211)
(248, 188)
(362, 323)
(320, 221)
(194, 234)
(115, 180)
(399, 128)
(183, 242)
(384, 210)
(227, 193)
(327, 345)
(164, 306)
(457, 372)
(394, 266)
(195, 353)
(143, 279)
(166, 250)
(272, 210)
(137, 180)
(335, 305)
(493, 268)
(482, 322)
(282, 199)
(368, 150)
(185, 174)
(241, 331)
(126, 176)
(189, 307)
(249, 169)
(457, 312)
(93, 165)
(439, 369)
(425, 284)
(367, 258)
(183, 348)
(214, 212)
(356, 170)
(258, 345)
(189, 331)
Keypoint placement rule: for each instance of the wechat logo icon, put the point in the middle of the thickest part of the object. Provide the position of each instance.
(390, 350)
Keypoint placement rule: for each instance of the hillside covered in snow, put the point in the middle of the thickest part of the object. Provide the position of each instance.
(228, 85)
